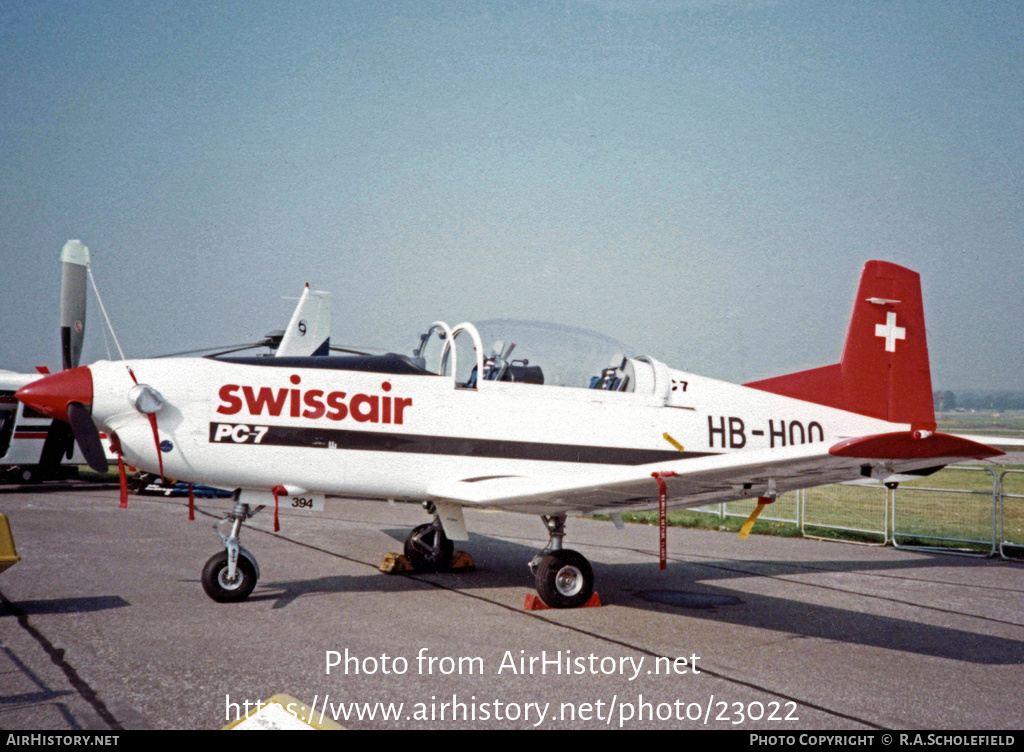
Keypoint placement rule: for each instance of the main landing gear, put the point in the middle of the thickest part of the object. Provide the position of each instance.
(564, 577)
(230, 575)
(427, 548)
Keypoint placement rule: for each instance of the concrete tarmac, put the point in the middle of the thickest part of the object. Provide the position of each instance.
(104, 624)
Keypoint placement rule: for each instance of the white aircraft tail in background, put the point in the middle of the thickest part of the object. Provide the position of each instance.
(309, 331)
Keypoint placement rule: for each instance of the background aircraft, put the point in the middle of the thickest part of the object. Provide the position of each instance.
(32, 446)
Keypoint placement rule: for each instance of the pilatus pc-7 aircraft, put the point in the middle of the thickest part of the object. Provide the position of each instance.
(491, 418)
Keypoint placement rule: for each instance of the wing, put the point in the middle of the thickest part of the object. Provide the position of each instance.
(714, 478)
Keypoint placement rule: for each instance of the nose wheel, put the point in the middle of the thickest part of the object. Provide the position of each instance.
(224, 587)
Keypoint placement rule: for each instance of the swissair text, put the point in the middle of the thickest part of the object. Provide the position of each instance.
(313, 403)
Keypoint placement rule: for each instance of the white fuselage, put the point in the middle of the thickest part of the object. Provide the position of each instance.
(389, 435)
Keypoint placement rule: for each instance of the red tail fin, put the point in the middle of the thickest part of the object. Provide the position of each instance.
(884, 370)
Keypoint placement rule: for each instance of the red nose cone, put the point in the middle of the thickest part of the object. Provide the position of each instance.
(51, 395)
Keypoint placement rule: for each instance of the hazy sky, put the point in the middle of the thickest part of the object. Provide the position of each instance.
(702, 179)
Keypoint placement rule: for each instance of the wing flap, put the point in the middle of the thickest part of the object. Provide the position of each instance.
(698, 481)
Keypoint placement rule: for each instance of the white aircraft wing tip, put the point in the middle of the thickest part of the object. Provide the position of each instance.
(75, 252)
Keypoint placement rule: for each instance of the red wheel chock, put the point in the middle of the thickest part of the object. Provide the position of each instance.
(534, 603)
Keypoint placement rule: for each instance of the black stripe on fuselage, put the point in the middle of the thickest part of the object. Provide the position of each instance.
(378, 441)
(389, 363)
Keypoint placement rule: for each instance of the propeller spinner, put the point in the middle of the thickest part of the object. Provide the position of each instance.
(67, 396)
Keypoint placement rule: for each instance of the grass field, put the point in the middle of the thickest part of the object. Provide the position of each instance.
(1004, 422)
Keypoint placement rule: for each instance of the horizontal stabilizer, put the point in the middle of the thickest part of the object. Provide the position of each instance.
(903, 445)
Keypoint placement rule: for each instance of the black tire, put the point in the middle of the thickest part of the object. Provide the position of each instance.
(215, 579)
(138, 482)
(565, 579)
(428, 549)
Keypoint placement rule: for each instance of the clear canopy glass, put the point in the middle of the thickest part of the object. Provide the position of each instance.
(565, 355)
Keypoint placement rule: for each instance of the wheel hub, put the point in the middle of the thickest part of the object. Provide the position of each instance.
(569, 581)
(426, 545)
(226, 583)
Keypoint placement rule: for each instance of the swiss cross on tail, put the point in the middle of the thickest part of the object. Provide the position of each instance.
(890, 332)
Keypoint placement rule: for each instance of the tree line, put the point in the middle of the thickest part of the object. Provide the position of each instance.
(945, 401)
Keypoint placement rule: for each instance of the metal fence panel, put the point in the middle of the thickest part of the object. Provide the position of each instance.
(953, 520)
(716, 509)
(1011, 514)
(967, 510)
(858, 509)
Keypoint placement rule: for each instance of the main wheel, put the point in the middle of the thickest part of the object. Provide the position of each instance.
(219, 587)
(428, 549)
(565, 579)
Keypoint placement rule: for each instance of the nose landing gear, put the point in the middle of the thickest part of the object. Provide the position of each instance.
(224, 587)
(230, 575)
